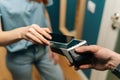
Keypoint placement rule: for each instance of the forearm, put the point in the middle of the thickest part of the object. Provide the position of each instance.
(9, 37)
(111, 58)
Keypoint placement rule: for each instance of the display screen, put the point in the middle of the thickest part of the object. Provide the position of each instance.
(62, 41)
(66, 45)
(61, 38)
(72, 43)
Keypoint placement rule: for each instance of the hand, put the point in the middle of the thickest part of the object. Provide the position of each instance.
(103, 58)
(54, 56)
(36, 34)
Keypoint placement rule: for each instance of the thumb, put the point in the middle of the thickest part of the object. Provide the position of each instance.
(86, 66)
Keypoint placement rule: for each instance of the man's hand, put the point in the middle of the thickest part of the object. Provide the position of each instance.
(103, 58)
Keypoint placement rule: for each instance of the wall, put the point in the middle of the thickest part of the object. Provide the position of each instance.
(117, 47)
(54, 14)
(92, 24)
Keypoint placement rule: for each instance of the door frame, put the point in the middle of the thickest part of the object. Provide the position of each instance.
(79, 18)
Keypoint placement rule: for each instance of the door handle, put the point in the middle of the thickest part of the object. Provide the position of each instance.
(115, 21)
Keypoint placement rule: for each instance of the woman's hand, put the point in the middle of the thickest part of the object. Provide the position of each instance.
(36, 34)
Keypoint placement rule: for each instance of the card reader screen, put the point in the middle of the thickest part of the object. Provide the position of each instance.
(72, 43)
(60, 38)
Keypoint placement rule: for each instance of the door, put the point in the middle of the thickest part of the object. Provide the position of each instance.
(107, 35)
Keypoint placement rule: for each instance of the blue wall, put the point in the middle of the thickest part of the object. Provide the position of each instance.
(54, 15)
(91, 25)
(92, 22)
(70, 16)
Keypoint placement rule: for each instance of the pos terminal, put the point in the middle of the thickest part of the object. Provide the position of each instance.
(65, 45)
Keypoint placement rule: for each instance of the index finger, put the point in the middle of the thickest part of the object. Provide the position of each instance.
(43, 31)
(91, 48)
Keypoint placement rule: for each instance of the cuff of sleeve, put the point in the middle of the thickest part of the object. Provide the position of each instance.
(116, 71)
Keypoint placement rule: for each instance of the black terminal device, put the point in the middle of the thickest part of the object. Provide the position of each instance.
(65, 45)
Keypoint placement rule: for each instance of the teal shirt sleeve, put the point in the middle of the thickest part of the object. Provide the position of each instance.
(50, 2)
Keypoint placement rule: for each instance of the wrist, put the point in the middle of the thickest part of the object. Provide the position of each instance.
(115, 61)
(21, 32)
(114, 64)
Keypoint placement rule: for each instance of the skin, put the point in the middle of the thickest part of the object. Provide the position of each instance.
(104, 59)
(33, 33)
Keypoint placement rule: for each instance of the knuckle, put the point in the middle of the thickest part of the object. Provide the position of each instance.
(27, 34)
(35, 25)
(29, 30)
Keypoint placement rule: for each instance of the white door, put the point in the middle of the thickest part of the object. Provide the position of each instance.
(107, 35)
